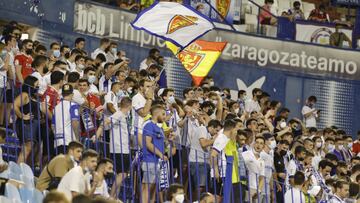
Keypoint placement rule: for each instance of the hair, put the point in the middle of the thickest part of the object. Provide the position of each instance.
(81, 198)
(204, 195)
(240, 92)
(299, 149)
(259, 137)
(354, 189)
(248, 122)
(88, 69)
(342, 164)
(229, 125)
(8, 38)
(214, 124)
(340, 184)
(114, 84)
(40, 47)
(355, 158)
(186, 91)
(78, 57)
(312, 99)
(142, 82)
(63, 47)
(53, 44)
(103, 161)
(89, 154)
(73, 77)
(207, 104)
(329, 139)
(125, 102)
(231, 104)
(75, 51)
(55, 196)
(58, 63)
(56, 77)
(285, 142)
(229, 115)
(172, 190)
(130, 79)
(284, 110)
(255, 90)
(166, 91)
(75, 145)
(242, 132)
(153, 51)
(101, 57)
(107, 65)
(321, 6)
(331, 157)
(296, 3)
(104, 41)
(2, 133)
(83, 80)
(299, 178)
(39, 60)
(29, 83)
(79, 39)
(25, 42)
(155, 108)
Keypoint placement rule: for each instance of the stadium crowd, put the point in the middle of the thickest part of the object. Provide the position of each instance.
(90, 126)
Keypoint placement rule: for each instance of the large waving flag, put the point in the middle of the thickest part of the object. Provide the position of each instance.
(173, 22)
(199, 57)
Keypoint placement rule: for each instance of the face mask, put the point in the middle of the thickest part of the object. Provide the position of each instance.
(92, 79)
(210, 112)
(81, 66)
(201, 100)
(341, 147)
(114, 50)
(301, 159)
(282, 125)
(119, 94)
(67, 55)
(272, 144)
(318, 144)
(56, 53)
(129, 90)
(330, 147)
(179, 198)
(152, 75)
(283, 153)
(350, 145)
(212, 83)
(28, 51)
(109, 176)
(237, 110)
(215, 102)
(45, 70)
(171, 100)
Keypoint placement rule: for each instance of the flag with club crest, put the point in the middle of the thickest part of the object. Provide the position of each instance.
(198, 58)
(173, 22)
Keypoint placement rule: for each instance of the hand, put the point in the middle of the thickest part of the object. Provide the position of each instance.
(165, 158)
(26, 117)
(278, 187)
(93, 139)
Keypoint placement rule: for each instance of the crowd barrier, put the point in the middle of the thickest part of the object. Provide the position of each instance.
(178, 169)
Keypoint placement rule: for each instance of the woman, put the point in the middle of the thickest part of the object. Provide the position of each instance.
(27, 110)
(319, 154)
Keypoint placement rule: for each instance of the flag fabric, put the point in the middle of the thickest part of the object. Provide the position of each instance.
(198, 58)
(173, 22)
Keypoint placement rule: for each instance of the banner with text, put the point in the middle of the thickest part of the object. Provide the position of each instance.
(242, 48)
(318, 34)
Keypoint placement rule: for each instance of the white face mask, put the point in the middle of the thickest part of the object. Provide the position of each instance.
(180, 198)
(171, 100)
(341, 147)
(318, 144)
(237, 110)
(330, 147)
(92, 79)
(215, 102)
(272, 144)
(282, 125)
(211, 83)
(350, 145)
(81, 66)
(129, 90)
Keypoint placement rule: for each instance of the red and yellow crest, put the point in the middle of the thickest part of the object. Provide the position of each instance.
(179, 21)
(223, 7)
(190, 58)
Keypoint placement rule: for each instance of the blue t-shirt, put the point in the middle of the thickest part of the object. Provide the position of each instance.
(158, 139)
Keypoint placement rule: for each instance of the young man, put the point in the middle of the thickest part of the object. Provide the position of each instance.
(341, 192)
(296, 164)
(319, 14)
(59, 166)
(295, 194)
(265, 17)
(151, 59)
(73, 80)
(309, 112)
(40, 64)
(23, 62)
(111, 54)
(75, 182)
(71, 60)
(339, 147)
(280, 169)
(256, 168)
(253, 103)
(104, 45)
(52, 94)
(104, 171)
(80, 65)
(90, 75)
(107, 79)
(66, 118)
(268, 156)
(79, 43)
(153, 152)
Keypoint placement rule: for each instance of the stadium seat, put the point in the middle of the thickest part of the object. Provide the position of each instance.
(27, 195)
(26, 170)
(4, 199)
(12, 192)
(28, 181)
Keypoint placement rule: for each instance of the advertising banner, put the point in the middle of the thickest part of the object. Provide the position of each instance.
(318, 34)
(346, 2)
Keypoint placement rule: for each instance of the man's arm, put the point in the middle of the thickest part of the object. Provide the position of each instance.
(214, 164)
(76, 127)
(110, 107)
(18, 73)
(146, 109)
(204, 143)
(151, 147)
(219, 108)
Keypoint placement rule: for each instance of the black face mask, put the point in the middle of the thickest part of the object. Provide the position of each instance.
(28, 51)
(343, 174)
(282, 153)
(109, 176)
(210, 112)
(228, 97)
(152, 75)
(301, 159)
(67, 55)
(45, 70)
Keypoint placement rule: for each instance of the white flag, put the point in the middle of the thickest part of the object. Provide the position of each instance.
(173, 22)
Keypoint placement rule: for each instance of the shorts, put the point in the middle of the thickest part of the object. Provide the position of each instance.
(199, 172)
(151, 173)
(28, 132)
(121, 162)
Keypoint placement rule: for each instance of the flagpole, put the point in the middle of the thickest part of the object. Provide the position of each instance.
(217, 12)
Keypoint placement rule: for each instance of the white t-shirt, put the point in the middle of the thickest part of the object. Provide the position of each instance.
(42, 82)
(104, 84)
(255, 167)
(119, 134)
(336, 199)
(3, 78)
(3, 73)
(72, 65)
(102, 190)
(251, 105)
(311, 120)
(269, 169)
(138, 102)
(47, 78)
(93, 89)
(77, 98)
(64, 113)
(1, 157)
(219, 145)
(294, 195)
(143, 65)
(111, 98)
(197, 153)
(73, 181)
(96, 52)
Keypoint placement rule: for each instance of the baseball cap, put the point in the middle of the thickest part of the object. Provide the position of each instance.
(67, 89)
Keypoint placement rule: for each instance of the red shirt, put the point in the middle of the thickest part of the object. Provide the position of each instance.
(52, 97)
(265, 13)
(94, 102)
(316, 14)
(25, 62)
(356, 147)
